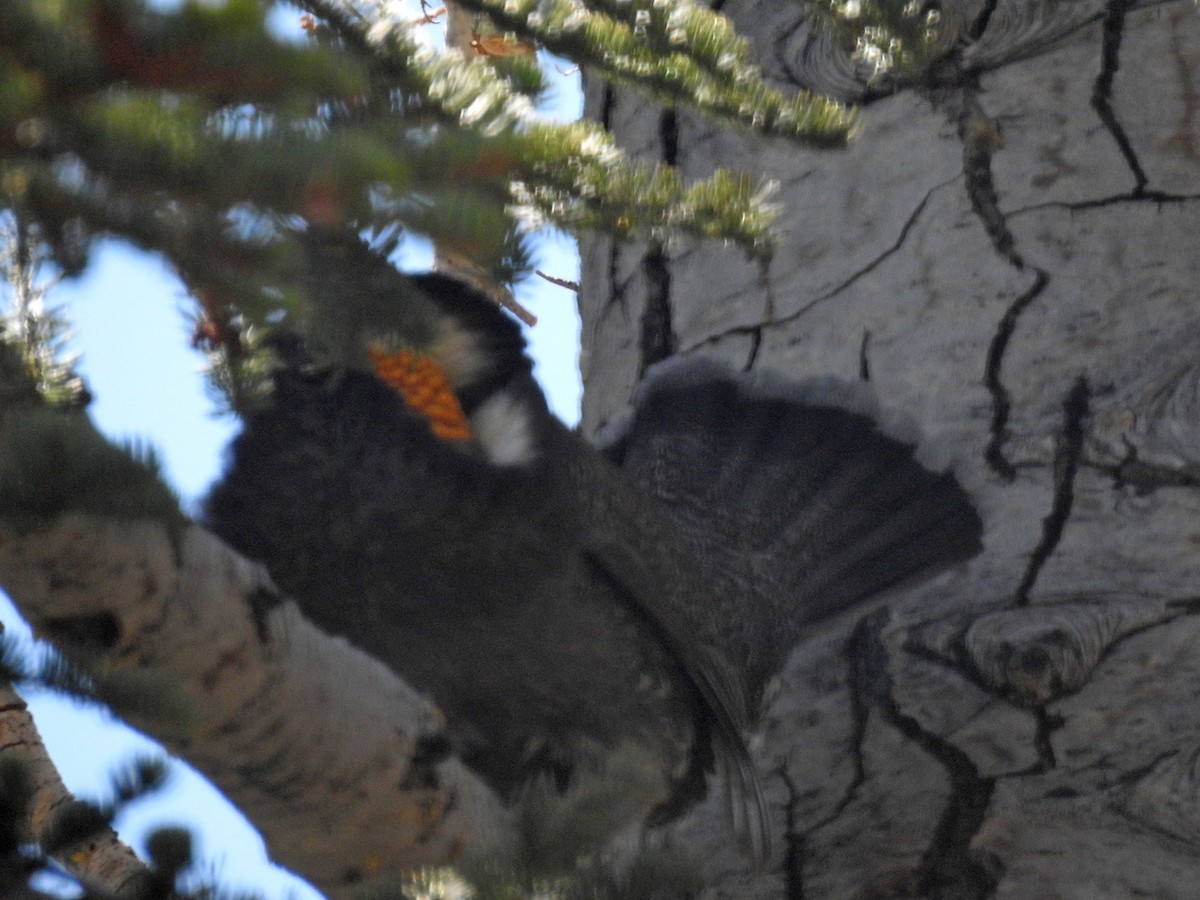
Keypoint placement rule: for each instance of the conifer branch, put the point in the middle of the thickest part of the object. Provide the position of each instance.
(198, 135)
(678, 52)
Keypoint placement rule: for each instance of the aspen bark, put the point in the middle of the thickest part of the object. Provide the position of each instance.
(1007, 254)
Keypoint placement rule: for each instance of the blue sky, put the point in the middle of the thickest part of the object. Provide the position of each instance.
(128, 312)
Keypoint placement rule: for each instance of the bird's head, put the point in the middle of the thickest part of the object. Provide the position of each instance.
(455, 357)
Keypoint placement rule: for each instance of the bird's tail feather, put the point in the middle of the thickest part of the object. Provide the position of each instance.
(796, 509)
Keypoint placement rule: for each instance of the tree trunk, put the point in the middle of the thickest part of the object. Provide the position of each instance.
(1008, 254)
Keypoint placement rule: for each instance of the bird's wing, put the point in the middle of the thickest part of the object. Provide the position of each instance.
(657, 585)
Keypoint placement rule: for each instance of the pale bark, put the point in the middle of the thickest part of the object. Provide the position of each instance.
(102, 859)
(319, 745)
(1014, 270)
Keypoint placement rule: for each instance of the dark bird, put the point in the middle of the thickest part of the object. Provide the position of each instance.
(564, 606)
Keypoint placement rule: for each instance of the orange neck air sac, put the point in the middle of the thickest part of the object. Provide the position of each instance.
(424, 387)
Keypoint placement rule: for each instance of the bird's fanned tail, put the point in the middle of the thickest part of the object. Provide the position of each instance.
(795, 511)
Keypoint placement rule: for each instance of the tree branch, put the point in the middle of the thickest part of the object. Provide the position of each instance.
(104, 858)
(322, 747)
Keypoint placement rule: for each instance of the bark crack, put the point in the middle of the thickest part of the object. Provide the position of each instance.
(1001, 400)
(668, 134)
(1160, 198)
(261, 601)
(657, 340)
(616, 295)
(905, 230)
(1047, 723)
(1113, 25)
(949, 869)
(608, 101)
(866, 668)
(1145, 477)
(755, 346)
(980, 138)
(793, 854)
(1066, 464)
(979, 25)
(755, 331)
(959, 661)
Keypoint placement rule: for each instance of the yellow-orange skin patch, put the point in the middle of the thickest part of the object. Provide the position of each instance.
(424, 387)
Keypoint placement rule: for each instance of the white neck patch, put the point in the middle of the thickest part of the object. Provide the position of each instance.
(502, 428)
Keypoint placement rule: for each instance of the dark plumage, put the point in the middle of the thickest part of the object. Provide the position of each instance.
(794, 511)
(554, 606)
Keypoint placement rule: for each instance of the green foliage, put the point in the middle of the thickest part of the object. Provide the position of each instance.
(141, 776)
(144, 697)
(664, 874)
(76, 822)
(170, 852)
(654, 873)
(892, 41)
(52, 459)
(16, 795)
(678, 51)
(196, 133)
(555, 830)
(17, 864)
(48, 670)
(73, 823)
(53, 463)
(557, 848)
(17, 386)
(138, 695)
(33, 333)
